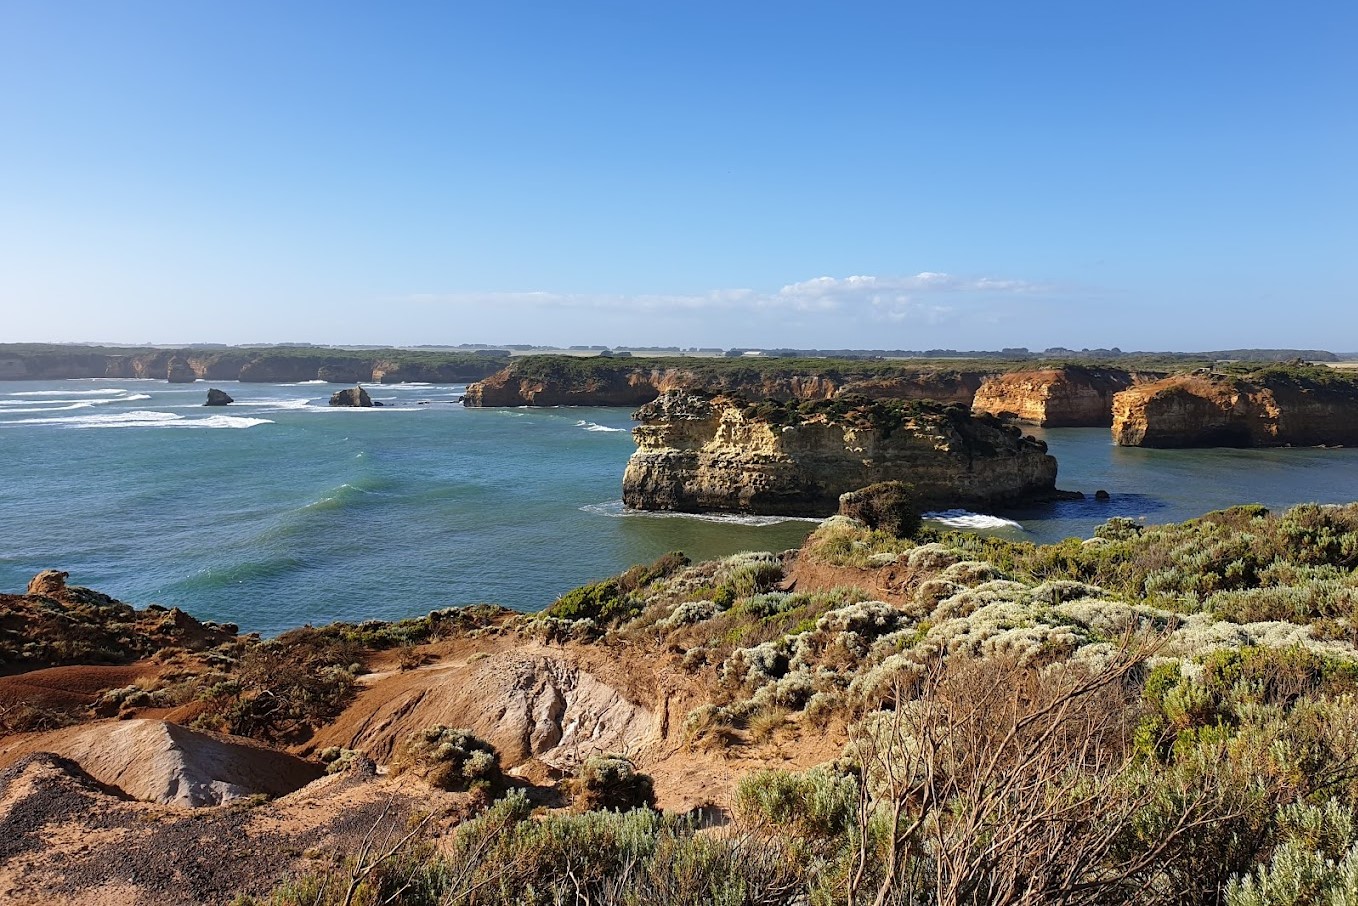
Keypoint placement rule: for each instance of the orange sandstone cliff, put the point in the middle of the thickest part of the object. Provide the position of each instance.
(1275, 407)
(1072, 396)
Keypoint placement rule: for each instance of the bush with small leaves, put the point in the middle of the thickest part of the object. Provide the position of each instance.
(450, 759)
(888, 505)
(611, 782)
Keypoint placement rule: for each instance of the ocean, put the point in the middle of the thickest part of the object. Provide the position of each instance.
(279, 510)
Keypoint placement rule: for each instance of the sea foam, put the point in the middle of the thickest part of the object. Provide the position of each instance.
(100, 392)
(615, 509)
(965, 519)
(144, 419)
(594, 426)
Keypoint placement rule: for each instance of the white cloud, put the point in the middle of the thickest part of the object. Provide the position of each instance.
(927, 297)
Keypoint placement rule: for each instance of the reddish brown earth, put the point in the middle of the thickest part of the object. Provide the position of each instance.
(99, 812)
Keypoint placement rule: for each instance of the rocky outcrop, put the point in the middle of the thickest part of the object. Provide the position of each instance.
(354, 396)
(54, 623)
(1069, 397)
(565, 381)
(179, 371)
(217, 397)
(1271, 408)
(696, 454)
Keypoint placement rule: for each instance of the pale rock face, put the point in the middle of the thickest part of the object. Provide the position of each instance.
(1070, 397)
(1205, 410)
(697, 455)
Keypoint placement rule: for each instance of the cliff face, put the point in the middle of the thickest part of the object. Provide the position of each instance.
(695, 454)
(625, 384)
(244, 364)
(1265, 410)
(1069, 397)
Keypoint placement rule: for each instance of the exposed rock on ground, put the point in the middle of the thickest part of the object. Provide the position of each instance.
(217, 397)
(1270, 408)
(66, 838)
(527, 702)
(354, 396)
(696, 454)
(1071, 397)
(155, 761)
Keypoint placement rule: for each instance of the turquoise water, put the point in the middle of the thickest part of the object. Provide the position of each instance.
(279, 510)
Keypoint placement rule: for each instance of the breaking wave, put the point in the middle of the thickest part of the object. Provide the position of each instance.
(614, 508)
(965, 519)
(594, 426)
(144, 419)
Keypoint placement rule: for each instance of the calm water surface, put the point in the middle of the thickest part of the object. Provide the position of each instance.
(278, 510)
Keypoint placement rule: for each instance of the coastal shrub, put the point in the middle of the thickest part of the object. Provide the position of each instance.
(817, 804)
(840, 541)
(614, 600)
(339, 760)
(888, 505)
(611, 782)
(1119, 528)
(281, 689)
(450, 759)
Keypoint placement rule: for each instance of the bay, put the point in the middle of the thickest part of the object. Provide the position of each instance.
(280, 510)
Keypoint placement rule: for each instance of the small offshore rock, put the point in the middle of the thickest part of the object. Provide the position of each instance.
(217, 397)
(354, 397)
(1101, 495)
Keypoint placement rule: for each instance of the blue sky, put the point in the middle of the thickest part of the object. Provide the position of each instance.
(970, 175)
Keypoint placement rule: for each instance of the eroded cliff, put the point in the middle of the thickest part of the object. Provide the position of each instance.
(697, 454)
(251, 365)
(1269, 408)
(567, 381)
(1072, 396)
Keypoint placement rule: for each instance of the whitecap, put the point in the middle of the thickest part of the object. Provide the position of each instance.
(144, 419)
(591, 425)
(275, 404)
(223, 421)
(100, 392)
(5, 408)
(615, 509)
(965, 519)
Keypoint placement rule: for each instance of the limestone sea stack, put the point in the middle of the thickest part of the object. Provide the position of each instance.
(217, 397)
(724, 454)
(1271, 407)
(1071, 396)
(355, 397)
